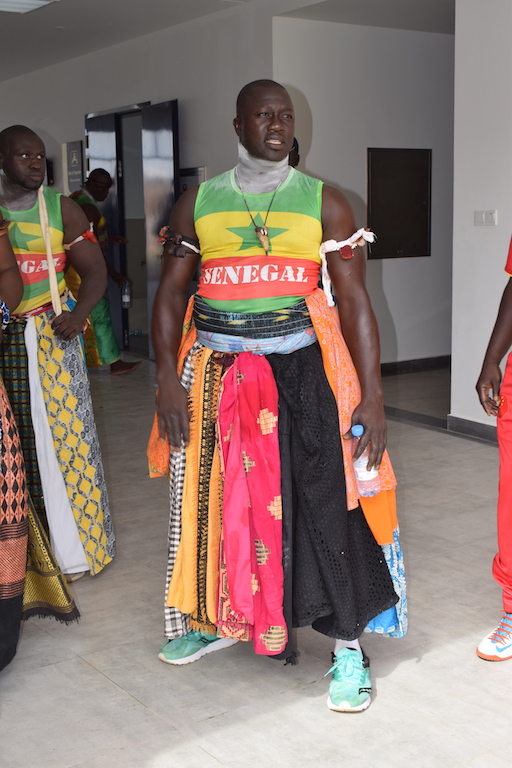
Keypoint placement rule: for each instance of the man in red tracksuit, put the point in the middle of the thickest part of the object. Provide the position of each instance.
(496, 398)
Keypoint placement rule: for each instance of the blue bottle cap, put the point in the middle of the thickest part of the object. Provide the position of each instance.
(357, 430)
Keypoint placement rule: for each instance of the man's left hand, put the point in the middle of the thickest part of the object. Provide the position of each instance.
(67, 326)
(370, 413)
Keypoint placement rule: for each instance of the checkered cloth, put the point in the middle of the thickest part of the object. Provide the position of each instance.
(177, 624)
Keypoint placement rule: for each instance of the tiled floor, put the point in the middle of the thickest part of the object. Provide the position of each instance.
(95, 695)
(425, 393)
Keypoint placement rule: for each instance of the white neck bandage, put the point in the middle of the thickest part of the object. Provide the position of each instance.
(257, 176)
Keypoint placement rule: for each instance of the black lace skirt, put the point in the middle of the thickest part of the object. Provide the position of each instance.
(336, 577)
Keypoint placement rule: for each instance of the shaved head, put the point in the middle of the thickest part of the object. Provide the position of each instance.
(265, 120)
(13, 133)
(100, 174)
(247, 91)
(22, 161)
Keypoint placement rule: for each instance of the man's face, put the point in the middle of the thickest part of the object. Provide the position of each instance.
(24, 161)
(99, 187)
(266, 123)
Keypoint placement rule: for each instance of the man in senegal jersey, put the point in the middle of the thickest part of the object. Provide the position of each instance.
(42, 361)
(257, 393)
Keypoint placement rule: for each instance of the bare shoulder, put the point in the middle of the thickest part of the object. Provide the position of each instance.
(72, 215)
(181, 219)
(337, 215)
(333, 195)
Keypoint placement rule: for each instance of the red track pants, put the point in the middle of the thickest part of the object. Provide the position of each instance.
(502, 565)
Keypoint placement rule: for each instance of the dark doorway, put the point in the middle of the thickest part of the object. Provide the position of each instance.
(138, 146)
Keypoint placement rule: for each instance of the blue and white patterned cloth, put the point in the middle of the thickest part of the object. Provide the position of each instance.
(393, 622)
(281, 345)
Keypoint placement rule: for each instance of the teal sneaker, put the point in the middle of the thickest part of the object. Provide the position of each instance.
(191, 647)
(350, 686)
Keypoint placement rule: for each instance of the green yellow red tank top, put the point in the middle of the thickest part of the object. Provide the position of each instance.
(237, 275)
(27, 243)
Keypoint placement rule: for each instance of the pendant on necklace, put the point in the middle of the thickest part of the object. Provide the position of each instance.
(262, 235)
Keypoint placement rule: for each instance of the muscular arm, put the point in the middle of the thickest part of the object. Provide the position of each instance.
(87, 259)
(499, 343)
(166, 325)
(11, 284)
(357, 322)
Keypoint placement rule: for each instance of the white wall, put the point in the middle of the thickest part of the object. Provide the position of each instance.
(482, 181)
(357, 87)
(203, 64)
(364, 86)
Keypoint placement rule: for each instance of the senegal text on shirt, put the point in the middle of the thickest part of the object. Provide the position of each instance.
(257, 276)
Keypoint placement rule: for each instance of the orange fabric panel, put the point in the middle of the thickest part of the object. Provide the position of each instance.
(158, 450)
(380, 514)
(342, 377)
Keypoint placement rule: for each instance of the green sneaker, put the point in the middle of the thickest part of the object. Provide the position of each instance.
(190, 648)
(350, 686)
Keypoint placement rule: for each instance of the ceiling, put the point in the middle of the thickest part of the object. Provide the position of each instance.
(420, 15)
(69, 28)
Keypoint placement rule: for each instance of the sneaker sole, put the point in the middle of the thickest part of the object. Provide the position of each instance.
(223, 642)
(345, 706)
(485, 657)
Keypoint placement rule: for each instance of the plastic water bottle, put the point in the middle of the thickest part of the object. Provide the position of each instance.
(126, 295)
(368, 482)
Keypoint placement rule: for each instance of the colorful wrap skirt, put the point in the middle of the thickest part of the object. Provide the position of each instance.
(266, 529)
(48, 388)
(31, 582)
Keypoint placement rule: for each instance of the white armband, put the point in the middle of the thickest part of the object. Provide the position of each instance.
(330, 246)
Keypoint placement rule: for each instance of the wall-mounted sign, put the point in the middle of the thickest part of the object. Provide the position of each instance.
(74, 165)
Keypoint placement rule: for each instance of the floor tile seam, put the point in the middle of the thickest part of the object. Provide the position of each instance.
(128, 693)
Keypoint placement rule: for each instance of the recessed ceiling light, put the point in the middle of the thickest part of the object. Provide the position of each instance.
(22, 6)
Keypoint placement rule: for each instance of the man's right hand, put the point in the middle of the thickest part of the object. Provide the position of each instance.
(489, 380)
(173, 415)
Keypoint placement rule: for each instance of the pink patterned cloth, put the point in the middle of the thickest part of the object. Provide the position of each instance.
(252, 509)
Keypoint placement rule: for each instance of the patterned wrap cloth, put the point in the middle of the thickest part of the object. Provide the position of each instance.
(31, 582)
(380, 511)
(66, 393)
